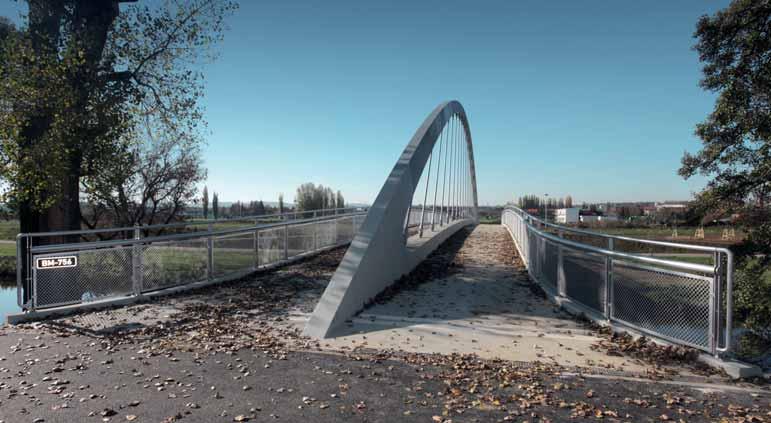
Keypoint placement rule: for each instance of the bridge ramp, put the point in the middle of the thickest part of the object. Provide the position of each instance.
(486, 305)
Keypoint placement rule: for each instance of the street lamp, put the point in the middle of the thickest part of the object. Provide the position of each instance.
(546, 208)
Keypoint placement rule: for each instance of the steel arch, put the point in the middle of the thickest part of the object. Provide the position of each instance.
(379, 255)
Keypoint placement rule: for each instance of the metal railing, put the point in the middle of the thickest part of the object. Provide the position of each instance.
(666, 294)
(82, 272)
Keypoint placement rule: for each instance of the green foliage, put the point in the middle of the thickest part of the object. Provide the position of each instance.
(535, 202)
(9, 229)
(340, 200)
(215, 206)
(312, 197)
(205, 202)
(89, 86)
(752, 298)
(734, 46)
(56, 119)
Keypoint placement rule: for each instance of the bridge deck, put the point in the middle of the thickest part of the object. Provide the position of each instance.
(486, 305)
(471, 296)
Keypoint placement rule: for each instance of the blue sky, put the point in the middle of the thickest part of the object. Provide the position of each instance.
(597, 99)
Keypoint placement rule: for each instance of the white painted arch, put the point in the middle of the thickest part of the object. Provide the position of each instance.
(379, 253)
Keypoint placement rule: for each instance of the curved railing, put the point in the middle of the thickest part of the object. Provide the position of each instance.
(676, 292)
(428, 196)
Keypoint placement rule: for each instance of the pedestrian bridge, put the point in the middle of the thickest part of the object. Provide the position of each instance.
(674, 292)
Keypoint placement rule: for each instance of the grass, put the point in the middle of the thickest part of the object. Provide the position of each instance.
(710, 232)
(9, 229)
(7, 250)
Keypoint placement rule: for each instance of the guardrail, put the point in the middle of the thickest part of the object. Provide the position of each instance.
(83, 272)
(659, 294)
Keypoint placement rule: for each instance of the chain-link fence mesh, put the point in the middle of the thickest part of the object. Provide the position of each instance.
(167, 264)
(146, 266)
(344, 230)
(99, 274)
(270, 246)
(301, 238)
(235, 253)
(326, 235)
(550, 263)
(533, 255)
(584, 275)
(673, 304)
(357, 221)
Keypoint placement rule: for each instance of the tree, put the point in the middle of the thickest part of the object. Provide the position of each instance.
(329, 198)
(340, 200)
(205, 202)
(734, 46)
(151, 186)
(281, 203)
(236, 209)
(314, 197)
(83, 81)
(215, 206)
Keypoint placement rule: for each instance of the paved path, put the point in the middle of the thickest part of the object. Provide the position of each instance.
(486, 306)
(233, 353)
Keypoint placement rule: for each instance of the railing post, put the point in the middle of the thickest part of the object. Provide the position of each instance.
(715, 304)
(32, 299)
(315, 236)
(256, 249)
(561, 288)
(19, 288)
(210, 253)
(286, 242)
(609, 282)
(136, 263)
(334, 233)
(729, 271)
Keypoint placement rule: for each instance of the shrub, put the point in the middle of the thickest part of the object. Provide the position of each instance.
(752, 298)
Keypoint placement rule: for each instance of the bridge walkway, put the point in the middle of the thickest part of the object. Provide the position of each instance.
(472, 296)
(483, 303)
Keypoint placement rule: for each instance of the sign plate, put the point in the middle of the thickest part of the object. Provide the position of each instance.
(56, 262)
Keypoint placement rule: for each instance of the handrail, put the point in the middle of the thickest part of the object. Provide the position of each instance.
(176, 237)
(715, 302)
(618, 254)
(332, 230)
(705, 248)
(179, 224)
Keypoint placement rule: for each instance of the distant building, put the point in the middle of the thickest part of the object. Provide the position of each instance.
(568, 215)
(672, 207)
(590, 218)
(609, 218)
